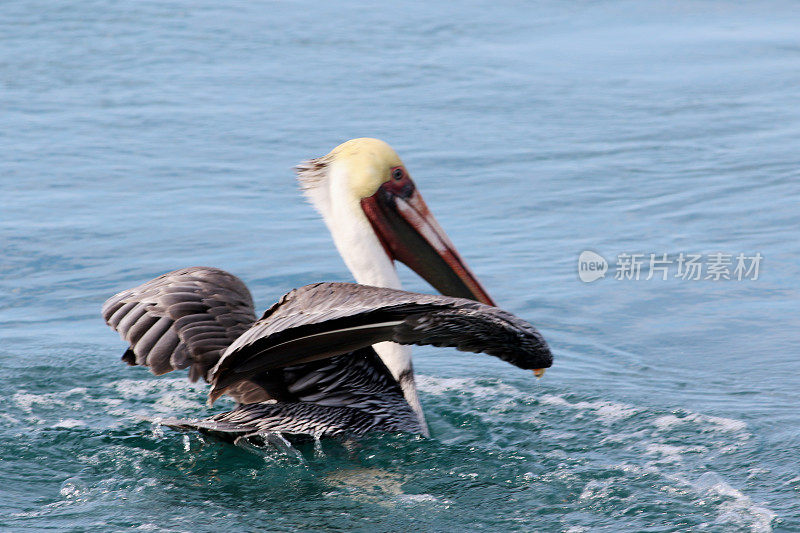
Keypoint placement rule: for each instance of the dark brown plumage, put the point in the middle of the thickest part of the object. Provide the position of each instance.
(326, 319)
(310, 352)
(184, 318)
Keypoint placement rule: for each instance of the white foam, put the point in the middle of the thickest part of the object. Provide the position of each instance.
(596, 490)
(721, 423)
(172, 401)
(170, 395)
(608, 412)
(666, 421)
(739, 509)
(26, 400)
(417, 498)
(623, 437)
(69, 423)
(660, 456)
(143, 388)
(73, 488)
(492, 399)
(439, 386)
(736, 509)
(708, 422)
(10, 419)
(667, 453)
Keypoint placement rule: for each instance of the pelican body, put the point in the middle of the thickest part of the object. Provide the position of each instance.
(330, 358)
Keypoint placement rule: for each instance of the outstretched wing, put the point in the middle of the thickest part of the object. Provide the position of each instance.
(185, 318)
(328, 319)
(188, 317)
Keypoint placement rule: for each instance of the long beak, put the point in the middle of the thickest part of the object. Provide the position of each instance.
(410, 234)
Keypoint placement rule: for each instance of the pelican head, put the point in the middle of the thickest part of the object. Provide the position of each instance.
(376, 216)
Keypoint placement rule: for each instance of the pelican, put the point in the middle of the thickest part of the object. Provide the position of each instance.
(327, 359)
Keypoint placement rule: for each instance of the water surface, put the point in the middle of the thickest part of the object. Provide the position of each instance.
(147, 136)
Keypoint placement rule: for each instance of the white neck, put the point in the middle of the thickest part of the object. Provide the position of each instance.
(356, 241)
(367, 260)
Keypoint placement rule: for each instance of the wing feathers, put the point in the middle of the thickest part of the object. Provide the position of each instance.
(185, 317)
(137, 330)
(203, 318)
(328, 319)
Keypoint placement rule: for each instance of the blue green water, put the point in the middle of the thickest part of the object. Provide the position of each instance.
(141, 137)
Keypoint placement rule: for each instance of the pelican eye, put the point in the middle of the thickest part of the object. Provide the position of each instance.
(397, 173)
